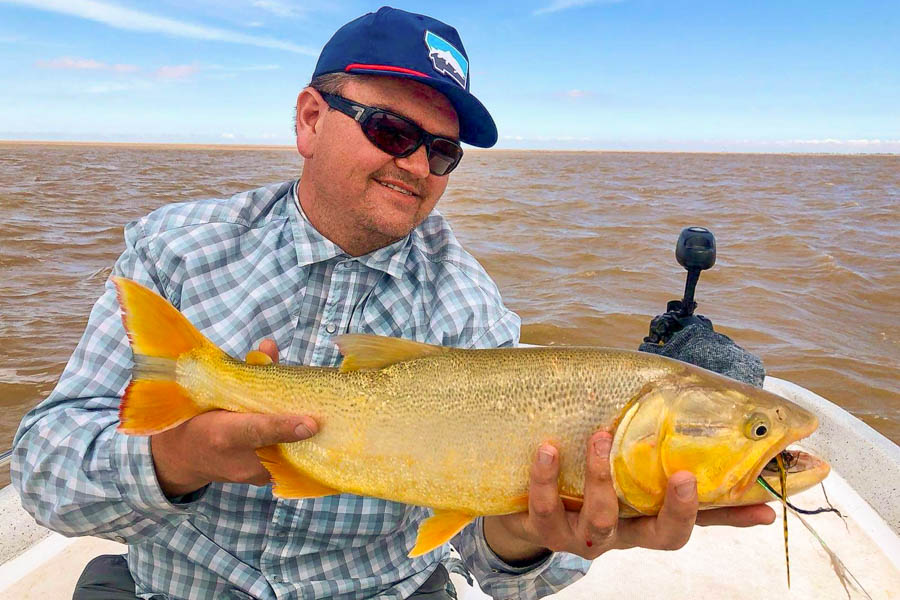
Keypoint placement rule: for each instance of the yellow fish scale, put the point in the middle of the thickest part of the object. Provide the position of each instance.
(457, 430)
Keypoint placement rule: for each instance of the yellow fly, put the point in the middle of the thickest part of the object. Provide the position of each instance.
(782, 476)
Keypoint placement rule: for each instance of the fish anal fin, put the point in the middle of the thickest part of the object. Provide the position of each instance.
(150, 406)
(362, 351)
(257, 358)
(290, 482)
(438, 530)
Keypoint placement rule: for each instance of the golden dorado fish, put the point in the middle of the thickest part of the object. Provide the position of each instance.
(457, 430)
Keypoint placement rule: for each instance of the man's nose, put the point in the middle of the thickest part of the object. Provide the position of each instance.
(416, 163)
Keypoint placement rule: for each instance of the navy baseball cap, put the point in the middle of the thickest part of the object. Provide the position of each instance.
(397, 43)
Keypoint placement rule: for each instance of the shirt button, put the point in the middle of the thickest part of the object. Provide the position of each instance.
(330, 328)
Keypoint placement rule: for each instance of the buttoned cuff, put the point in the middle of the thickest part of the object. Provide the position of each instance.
(132, 464)
(496, 564)
(503, 581)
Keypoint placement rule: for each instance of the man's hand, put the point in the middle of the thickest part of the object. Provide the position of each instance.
(221, 445)
(547, 526)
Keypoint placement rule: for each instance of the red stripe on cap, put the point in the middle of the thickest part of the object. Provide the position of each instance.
(385, 68)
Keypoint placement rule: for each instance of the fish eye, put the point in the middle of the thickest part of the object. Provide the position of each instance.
(757, 427)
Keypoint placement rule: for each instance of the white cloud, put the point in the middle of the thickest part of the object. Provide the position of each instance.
(547, 138)
(115, 87)
(135, 20)
(558, 5)
(576, 94)
(278, 8)
(837, 142)
(228, 136)
(175, 71)
(84, 64)
(245, 68)
(66, 62)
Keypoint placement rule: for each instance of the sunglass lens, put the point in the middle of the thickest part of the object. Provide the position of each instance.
(394, 136)
(443, 156)
(399, 137)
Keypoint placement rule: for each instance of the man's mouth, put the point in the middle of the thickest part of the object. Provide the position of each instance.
(396, 187)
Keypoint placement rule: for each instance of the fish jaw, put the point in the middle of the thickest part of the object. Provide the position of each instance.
(806, 471)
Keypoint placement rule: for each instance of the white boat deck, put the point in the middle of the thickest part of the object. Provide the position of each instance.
(718, 563)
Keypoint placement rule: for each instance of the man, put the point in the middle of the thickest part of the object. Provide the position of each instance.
(354, 245)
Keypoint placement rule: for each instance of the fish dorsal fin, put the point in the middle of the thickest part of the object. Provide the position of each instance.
(362, 351)
(438, 530)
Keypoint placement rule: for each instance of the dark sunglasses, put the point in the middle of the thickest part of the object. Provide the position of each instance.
(397, 135)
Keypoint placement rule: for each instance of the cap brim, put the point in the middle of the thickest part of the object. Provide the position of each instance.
(476, 126)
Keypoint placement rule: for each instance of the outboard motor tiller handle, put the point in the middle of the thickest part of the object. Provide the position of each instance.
(696, 252)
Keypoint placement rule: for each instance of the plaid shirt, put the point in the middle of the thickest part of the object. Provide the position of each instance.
(241, 270)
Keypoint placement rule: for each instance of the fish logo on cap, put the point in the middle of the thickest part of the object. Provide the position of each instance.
(446, 58)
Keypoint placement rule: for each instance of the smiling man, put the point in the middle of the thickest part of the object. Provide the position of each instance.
(354, 245)
(354, 192)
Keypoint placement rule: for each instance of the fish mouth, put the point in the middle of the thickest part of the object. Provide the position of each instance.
(797, 463)
(804, 470)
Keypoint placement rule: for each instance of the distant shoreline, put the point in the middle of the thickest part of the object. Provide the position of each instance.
(283, 148)
(159, 145)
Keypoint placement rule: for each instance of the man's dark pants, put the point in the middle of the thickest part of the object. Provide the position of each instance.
(107, 578)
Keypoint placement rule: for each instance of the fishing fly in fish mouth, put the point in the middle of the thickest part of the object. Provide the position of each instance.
(456, 430)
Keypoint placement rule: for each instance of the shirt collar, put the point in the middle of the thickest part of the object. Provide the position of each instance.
(314, 247)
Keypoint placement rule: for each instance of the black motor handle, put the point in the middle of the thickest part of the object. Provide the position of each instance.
(696, 252)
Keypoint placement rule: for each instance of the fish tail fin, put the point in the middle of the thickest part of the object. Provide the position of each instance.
(159, 335)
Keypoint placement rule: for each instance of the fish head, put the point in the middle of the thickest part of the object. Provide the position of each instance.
(721, 430)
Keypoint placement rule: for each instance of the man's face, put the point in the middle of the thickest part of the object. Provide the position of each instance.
(352, 202)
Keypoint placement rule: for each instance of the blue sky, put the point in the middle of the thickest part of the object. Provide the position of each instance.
(779, 76)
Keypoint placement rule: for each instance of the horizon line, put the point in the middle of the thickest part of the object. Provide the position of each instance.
(285, 147)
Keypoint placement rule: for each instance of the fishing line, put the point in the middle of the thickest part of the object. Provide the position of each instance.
(830, 505)
(769, 488)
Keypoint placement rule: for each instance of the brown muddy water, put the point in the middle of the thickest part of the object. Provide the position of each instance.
(580, 243)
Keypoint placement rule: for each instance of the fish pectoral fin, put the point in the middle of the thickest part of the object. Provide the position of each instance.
(362, 351)
(290, 482)
(257, 358)
(572, 503)
(438, 530)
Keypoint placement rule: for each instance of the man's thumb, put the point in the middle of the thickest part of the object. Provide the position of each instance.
(265, 430)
